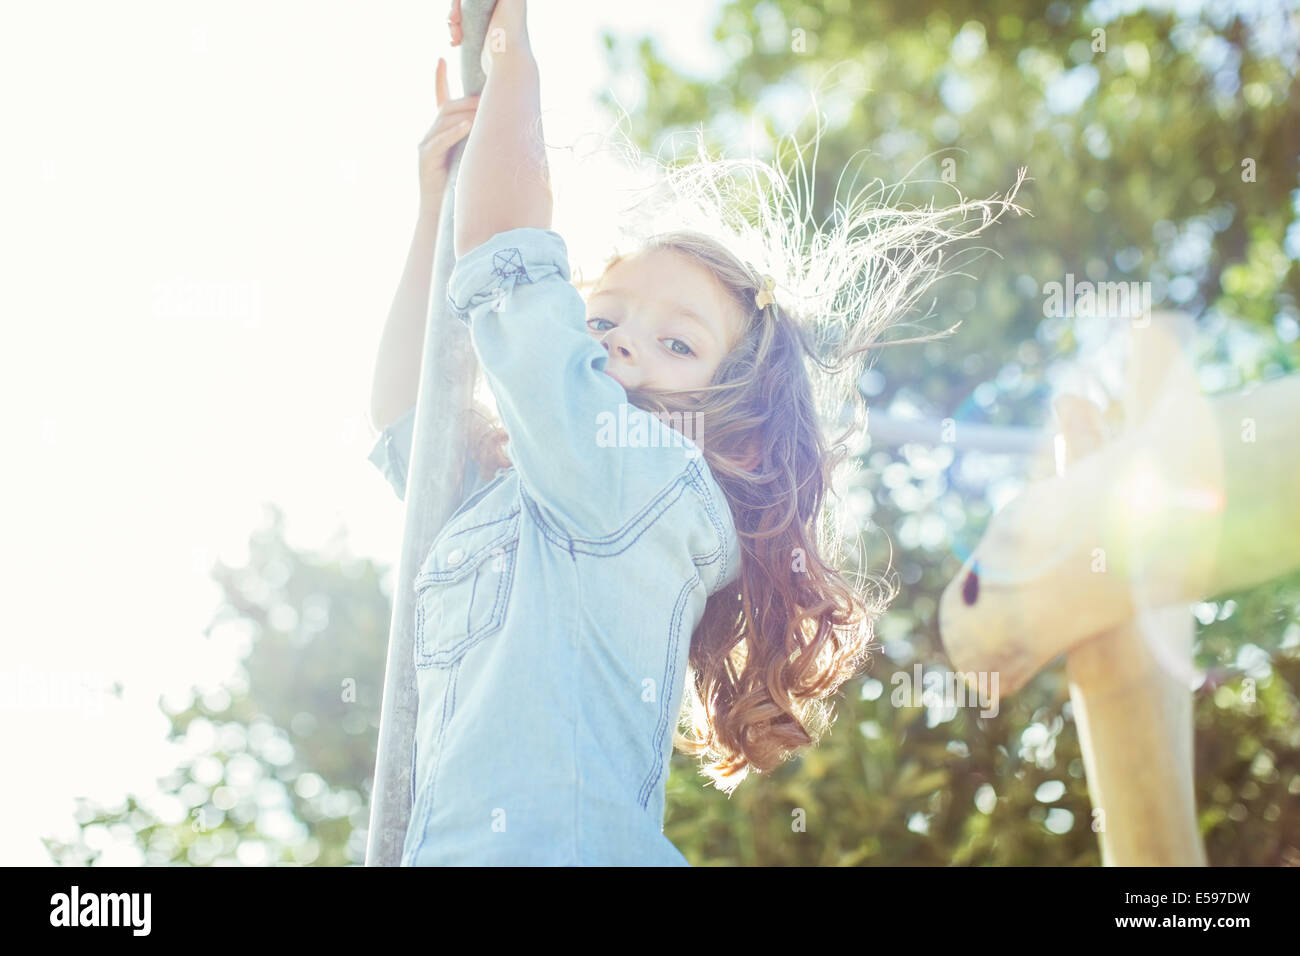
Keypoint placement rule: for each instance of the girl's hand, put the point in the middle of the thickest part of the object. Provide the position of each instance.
(455, 120)
(487, 441)
(507, 31)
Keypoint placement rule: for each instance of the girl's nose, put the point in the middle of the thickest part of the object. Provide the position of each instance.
(621, 364)
(617, 345)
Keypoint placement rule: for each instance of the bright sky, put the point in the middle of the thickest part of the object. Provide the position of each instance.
(204, 211)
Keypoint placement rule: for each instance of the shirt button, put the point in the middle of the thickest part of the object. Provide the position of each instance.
(455, 557)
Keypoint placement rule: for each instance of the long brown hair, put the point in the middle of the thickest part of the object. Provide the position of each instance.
(774, 645)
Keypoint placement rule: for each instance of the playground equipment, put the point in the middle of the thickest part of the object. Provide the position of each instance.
(447, 372)
(1197, 496)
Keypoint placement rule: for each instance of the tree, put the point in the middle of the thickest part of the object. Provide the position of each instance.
(288, 747)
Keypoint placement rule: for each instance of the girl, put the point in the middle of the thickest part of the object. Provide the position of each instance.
(653, 528)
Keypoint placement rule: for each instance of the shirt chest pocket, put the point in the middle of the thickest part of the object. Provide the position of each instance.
(463, 588)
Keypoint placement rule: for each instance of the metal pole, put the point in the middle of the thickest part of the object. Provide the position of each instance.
(446, 388)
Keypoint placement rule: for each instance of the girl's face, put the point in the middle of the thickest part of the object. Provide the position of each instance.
(665, 321)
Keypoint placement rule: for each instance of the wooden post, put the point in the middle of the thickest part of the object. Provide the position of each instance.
(448, 369)
(1130, 685)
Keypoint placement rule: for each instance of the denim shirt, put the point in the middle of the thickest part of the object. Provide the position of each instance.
(555, 608)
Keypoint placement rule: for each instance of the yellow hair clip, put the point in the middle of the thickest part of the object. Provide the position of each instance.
(763, 298)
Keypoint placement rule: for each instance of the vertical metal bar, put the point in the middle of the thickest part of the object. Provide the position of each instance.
(448, 368)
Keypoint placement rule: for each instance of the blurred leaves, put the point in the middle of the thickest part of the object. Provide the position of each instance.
(287, 748)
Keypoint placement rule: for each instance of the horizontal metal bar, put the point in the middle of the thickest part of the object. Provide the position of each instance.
(968, 436)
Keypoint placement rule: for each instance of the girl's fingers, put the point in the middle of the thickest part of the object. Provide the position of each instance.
(447, 121)
(453, 22)
(466, 104)
(440, 82)
(441, 129)
(461, 105)
(452, 114)
(444, 139)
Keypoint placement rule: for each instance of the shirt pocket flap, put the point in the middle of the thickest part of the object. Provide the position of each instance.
(466, 542)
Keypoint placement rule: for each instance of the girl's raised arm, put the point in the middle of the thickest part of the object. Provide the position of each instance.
(503, 182)
(396, 374)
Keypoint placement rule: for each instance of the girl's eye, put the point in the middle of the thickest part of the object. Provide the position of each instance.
(688, 352)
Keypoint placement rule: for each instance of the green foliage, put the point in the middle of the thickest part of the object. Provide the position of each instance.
(288, 745)
(885, 787)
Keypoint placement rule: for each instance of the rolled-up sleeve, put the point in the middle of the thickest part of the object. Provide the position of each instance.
(392, 456)
(581, 450)
(392, 452)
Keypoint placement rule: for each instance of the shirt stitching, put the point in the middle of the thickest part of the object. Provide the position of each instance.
(576, 668)
(430, 788)
(666, 692)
